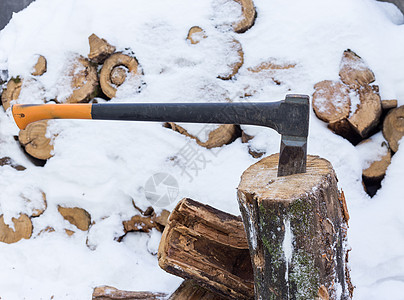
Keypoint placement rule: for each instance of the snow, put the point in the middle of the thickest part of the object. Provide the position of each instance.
(102, 166)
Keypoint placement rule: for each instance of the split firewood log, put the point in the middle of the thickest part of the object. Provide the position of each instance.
(389, 104)
(33, 139)
(272, 69)
(331, 102)
(36, 202)
(196, 34)
(393, 127)
(208, 246)
(84, 81)
(7, 161)
(22, 229)
(12, 92)
(76, 216)
(344, 129)
(116, 70)
(248, 16)
(100, 49)
(296, 228)
(190, 290)
(235, 65)
(354, 72)
(40, 66)
(217, 136)
(110, 293)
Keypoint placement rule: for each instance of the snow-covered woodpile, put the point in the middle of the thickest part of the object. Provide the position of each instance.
(353, 109)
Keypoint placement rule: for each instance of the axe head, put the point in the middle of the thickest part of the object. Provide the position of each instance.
(293, 152)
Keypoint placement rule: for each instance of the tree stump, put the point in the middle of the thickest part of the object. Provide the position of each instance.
(40, 66)
(196, 34)
(222, 135)
(190, 290)
(11, 93)
(393, 127)
(84, 81)
(209, 246)
(235, 65)
(354, 72)
(76, 216)
(111, 79)
(100, 49)
(33, 139)
(111, 293)
(296, 227)
(331, 102)
(22, 229)
(248, 16)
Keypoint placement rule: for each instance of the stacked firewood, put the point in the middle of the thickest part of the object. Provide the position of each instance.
(353, 109)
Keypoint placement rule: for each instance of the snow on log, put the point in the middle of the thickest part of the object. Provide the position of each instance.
(393, 127)
(248, 16)
(84, 81)
(272, 69)
(196, 34)
(190, 290)
(22, 229)
(367, 115)
(76, 216)
(33, 139)
(11, 92)
(100, 49)
(354, 72)
(217, 137)
(209, 246)
(296, 227)
(110, 293)
(35, 202)
(331, 102)
(40, 66)
(235, 64)
(115, 71)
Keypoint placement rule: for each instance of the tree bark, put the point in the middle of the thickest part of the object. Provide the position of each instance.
(33, 139)
(393, 127)
(190, 290)
(208, 246)
(109, 84)
(100, 49)
(296, 228)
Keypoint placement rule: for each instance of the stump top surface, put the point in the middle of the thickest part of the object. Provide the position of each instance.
(261, 179)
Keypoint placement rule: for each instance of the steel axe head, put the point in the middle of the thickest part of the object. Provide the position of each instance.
(293, 150)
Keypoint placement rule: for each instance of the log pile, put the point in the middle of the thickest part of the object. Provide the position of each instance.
(353, 109)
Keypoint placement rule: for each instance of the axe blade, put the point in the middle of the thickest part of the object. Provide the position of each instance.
(292, 156)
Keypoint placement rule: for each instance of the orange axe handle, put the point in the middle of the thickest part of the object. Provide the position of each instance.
(25, 114)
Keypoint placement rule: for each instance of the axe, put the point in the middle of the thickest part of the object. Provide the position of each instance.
(289, 117)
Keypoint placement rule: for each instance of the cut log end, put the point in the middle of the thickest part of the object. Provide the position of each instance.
(22, 229)
(84, 81)
(389, 104)
(331, 101)
(296, 230)
(11, 93)
(393, 127)
(76, 216)
(354, 72)
(33, 139)
(236, 65)
(196, 34)
(100, 49)
(248, 16)
(375, 173)
(40, 67)
(111, 79)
